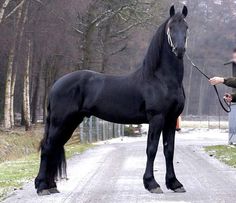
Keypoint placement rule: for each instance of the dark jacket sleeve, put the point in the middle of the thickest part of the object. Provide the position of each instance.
(233, 97)
(231, 82)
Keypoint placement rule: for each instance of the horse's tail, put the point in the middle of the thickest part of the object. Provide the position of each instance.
(55, 152)
(57, 164)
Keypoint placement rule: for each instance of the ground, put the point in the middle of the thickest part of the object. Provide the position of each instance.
(112, 172)
(19, 157)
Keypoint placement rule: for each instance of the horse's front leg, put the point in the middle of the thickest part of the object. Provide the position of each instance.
(155, 128)
(169, 144)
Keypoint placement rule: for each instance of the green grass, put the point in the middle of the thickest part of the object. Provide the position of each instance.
(224, 153)
(73, 149)
(13, 174)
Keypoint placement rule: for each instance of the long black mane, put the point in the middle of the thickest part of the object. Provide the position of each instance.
(153, 56)
(152, 59)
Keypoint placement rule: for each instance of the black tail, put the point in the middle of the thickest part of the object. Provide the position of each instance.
(57, 164)
(56, 160)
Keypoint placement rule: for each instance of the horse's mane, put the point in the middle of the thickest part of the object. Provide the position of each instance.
(153, 56)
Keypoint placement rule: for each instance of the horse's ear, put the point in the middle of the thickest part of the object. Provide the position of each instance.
(185, 11)
(172, 10)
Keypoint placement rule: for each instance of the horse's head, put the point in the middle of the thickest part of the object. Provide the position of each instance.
(177, 30)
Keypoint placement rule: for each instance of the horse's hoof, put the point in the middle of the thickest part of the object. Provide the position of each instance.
(43, 193)
(180, 190)
(53, 190)
(157, 190)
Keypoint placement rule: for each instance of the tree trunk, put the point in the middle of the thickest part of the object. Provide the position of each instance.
(22, 116)
(189, 92)
(46, 89)
(2, 10)
(12, 98)
(45, 103)
(26, 100)
(35, 97)
(105, 54)
(87, 47)
(7, 104)
(10, 81)
(18, 50)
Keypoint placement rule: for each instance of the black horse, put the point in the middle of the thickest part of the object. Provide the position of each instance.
(152, 94)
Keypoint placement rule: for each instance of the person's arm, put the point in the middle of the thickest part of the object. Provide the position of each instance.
(231, 82)
(216, 80)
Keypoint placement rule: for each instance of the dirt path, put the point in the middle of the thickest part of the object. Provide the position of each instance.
(112, 172)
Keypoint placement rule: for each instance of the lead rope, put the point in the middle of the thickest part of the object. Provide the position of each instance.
(228, 109)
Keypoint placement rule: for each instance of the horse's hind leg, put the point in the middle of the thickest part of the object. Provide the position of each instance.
(155, 128)
(53, 161)
(169, 143)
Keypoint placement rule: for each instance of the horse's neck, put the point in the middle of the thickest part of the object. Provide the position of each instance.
(162, 63)
(171, 67)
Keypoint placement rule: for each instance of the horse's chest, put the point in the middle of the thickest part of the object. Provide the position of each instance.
(176, 99)
(176, 95)
(164, 99)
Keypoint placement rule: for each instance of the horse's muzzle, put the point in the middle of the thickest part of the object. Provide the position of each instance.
(180, 52)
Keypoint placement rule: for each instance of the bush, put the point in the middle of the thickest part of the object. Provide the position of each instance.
(132, 131)
(129, 131)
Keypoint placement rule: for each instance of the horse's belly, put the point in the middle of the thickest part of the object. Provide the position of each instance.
(117, 114)
(124, 120)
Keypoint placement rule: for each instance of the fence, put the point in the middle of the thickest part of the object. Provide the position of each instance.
(94, 129)
(210, 122)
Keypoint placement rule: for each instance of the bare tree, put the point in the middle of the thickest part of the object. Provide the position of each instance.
(3, 9)
(104, 27)
(10, 79)
(26, 97)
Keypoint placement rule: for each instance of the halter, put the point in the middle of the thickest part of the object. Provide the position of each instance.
(171, 43)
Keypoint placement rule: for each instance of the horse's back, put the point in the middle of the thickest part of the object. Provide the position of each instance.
(68, 91)
(104, 96)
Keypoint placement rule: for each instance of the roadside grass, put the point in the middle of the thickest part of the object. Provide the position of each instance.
(224, 153)
(13, 174)
(19, 161)
(18, 143)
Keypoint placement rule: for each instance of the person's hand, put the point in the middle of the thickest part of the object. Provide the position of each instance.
(228, 97)
(216, 80)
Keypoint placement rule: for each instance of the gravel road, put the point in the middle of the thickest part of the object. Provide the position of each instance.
(112, 172)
